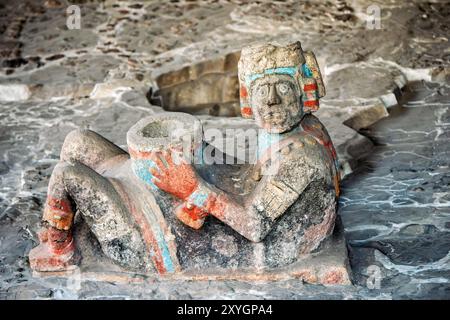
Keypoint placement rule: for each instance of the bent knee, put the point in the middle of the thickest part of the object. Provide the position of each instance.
(76, 144)
(73, 168)
(60, 168)
(81, 137)
(88, 147)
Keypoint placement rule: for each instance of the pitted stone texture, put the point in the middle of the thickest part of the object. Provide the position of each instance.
(123, 54)
(31, 133)
(163, 130)
(258, 58)
(411, 275)
(214, 82)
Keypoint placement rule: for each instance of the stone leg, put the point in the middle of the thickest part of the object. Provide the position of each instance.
(79, 187)
(86, 150)
(80, 146)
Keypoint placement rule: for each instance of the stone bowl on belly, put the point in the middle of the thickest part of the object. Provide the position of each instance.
(168, 131)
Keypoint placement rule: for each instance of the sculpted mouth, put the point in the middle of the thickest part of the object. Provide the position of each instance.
(274, 115)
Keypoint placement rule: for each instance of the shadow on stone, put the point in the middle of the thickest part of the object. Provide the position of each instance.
(210, 87)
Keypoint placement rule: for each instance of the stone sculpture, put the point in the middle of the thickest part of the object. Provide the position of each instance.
(161, 209)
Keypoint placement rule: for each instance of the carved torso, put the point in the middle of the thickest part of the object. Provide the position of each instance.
(173, 246)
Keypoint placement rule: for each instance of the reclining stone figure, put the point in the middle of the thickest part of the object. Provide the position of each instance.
(154, 211)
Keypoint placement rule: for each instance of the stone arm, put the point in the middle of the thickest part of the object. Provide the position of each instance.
(274, 194)
(253, 219)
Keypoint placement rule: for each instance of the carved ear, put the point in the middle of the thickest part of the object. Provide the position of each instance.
(313, 66)
(246, 109)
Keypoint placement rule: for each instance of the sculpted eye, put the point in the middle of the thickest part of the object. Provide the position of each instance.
(262, 91)
(283, 88)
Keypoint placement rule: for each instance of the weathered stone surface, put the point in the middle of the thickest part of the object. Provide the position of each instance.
(329, 266)
(273, 222)
(413, 35)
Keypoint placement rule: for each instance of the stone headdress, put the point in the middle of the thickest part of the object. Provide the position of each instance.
(259, 60)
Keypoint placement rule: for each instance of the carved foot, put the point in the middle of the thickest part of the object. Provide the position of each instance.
(56, 252)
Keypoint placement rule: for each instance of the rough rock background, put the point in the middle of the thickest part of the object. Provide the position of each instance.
(395, 204)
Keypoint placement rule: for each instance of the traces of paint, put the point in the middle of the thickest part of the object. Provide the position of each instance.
(243, 92)
(141, 165)
(253, 77)
(246, 111)
(311, 104)
(265, 140)
(59, 204)
(318, 133)
(163, 247)
(153, 234)
(141, 168)
(199, 197)
(310, 87)
(310, 98)
(198, 154)
(306, 71)
(283, 70)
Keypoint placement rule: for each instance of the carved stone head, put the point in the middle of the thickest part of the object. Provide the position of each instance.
(277, 85)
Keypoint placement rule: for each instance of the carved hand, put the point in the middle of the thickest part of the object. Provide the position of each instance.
(178, 179)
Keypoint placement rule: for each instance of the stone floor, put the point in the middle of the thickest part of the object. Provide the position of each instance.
(387, 110)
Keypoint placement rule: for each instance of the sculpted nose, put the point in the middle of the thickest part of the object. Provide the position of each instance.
(273, 97)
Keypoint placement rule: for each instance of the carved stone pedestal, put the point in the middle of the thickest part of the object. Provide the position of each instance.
(328, 266)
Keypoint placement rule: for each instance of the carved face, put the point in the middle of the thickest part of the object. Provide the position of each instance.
(275, 101)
